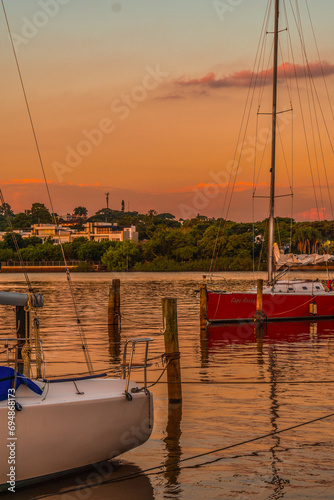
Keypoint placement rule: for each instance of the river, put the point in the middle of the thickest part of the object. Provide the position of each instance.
(237, 386)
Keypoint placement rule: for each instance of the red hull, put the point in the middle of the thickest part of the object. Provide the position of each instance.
(229, 307)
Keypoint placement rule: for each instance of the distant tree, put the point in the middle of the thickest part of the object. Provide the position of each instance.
(90, 251)
(81, 211)
(6, 254)
(166, 216)
(123, 205)
(121, 256)
(5, 209)
(8, 240)
(21, 221)
(307, 239)
(33, 241)
(40, 214)
(3, 223)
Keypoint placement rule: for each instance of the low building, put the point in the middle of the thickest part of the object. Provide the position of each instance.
(53, 231)
(106, 231)
(22, 232)
(93, 231)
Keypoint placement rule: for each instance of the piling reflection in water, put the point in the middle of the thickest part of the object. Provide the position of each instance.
(259, 334)
(274, 371)
(267, 334)
(114, 334)
(173, 448)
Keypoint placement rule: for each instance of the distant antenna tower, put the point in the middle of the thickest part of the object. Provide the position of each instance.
(107, 198)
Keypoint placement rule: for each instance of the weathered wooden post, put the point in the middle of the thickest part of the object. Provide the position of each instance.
(259, 295)
(203, 296)
(114, 313)
(169, 314)
(259, 314)
(114, 319)
(22, 328)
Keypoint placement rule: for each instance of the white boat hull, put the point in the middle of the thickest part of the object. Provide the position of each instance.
(63, 430)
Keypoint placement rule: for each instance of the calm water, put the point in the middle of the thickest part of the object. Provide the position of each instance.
(236, 386)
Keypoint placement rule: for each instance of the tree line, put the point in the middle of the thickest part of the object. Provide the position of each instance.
(166, 244)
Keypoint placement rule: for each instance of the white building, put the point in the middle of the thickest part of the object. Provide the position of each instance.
(101, 231)
(93, 231)
(53, 231)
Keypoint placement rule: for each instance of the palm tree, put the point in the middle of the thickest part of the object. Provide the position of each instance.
(307, 239)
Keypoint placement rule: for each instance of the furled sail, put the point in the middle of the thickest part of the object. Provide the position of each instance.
(291, 259)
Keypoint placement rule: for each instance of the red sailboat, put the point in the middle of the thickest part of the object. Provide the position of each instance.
(282, 299)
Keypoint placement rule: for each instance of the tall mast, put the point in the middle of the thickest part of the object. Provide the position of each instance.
(273, 153)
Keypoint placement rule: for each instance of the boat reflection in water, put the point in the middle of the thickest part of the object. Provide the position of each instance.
(93, 483)
(248, 333)
(269, 339)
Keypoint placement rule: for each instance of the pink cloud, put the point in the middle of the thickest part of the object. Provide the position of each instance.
(243, 78)
(312, 214)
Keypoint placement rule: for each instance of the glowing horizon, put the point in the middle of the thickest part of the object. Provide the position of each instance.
(144, 99)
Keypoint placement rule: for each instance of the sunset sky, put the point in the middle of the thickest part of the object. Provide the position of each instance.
(144, 99)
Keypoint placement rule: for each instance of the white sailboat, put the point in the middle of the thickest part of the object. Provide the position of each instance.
(52, 427)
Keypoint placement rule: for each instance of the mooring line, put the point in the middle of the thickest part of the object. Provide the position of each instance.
(162, 467)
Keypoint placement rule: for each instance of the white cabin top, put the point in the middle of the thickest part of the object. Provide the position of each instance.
(296, 286)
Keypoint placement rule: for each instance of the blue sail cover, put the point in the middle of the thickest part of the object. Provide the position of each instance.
(7, 375)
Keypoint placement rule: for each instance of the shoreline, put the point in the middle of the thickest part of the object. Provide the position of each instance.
(62, 269)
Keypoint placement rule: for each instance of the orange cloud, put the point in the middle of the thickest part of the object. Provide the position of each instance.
(245, 77)
(9, 182)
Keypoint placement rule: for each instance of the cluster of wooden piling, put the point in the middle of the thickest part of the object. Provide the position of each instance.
(172, 353)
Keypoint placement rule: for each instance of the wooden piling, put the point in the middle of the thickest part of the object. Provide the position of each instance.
(259, 295)
(169, 314)
(259, 314)
(22, 328)
(114, 307)
(203, 294)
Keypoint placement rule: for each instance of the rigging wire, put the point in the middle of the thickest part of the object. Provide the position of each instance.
(319, 59)
(68, 276)
(317, 121)
(245, 119)
(310, 97)
(301, 107)
(313, 83)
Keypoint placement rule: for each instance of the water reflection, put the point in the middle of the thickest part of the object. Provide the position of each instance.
(93, 483)
(174, 450)
(226, 403)
(259, 335)
(204, 347)
(114, 334)
(277, 481)
(248, 333)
